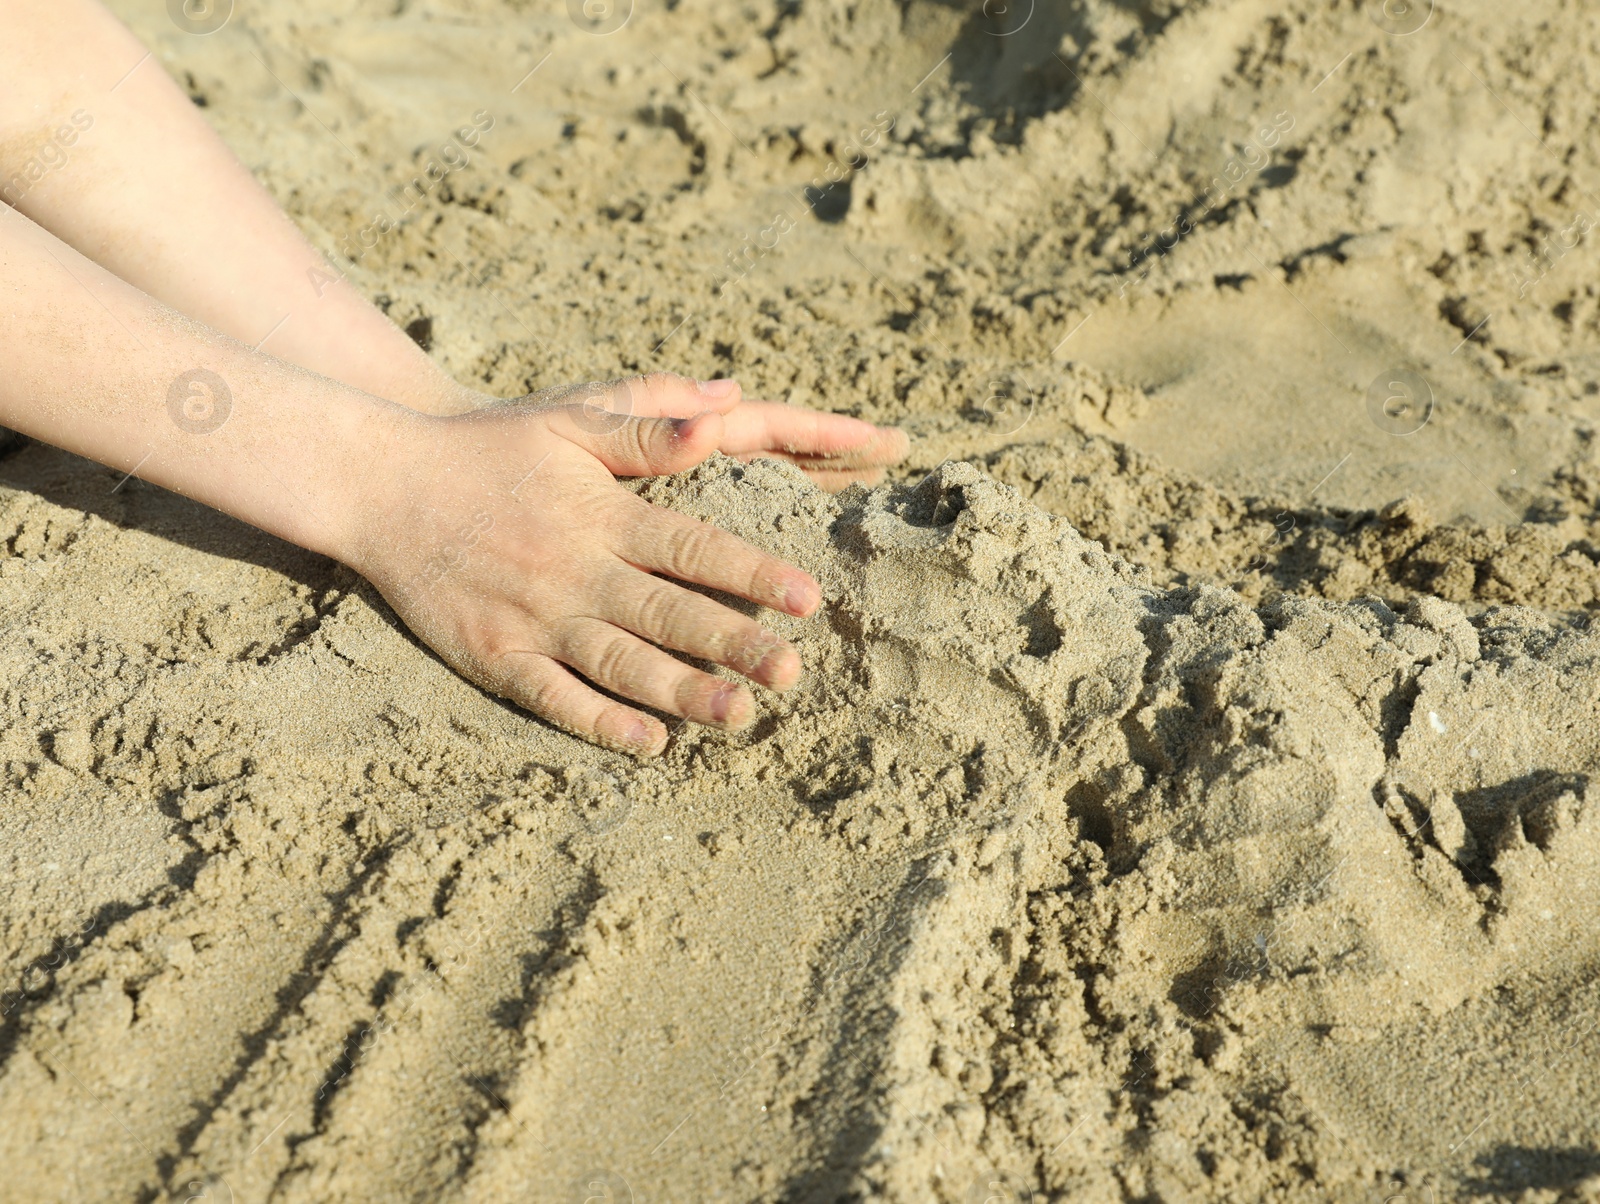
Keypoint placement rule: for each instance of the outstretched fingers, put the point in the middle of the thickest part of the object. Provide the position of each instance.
(626, 665)
(667, 614)
(661, 541)
(551, 691)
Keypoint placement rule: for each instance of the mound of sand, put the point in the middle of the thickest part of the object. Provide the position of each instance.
(1045, 874)
(1190, 795)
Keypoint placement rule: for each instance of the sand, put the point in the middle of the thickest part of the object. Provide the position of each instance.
(1191, 794)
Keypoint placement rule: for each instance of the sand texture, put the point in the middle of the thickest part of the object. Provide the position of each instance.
(1191, 794)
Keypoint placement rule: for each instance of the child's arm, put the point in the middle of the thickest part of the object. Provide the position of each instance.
(499, 536)
(150, 192)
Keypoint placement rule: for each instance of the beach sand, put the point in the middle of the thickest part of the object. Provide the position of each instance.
(1189, 794)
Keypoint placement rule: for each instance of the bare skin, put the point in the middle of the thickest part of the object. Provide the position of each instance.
(137, 251)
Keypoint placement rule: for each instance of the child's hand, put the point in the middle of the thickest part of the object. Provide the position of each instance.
(498, 534)
(503, 540)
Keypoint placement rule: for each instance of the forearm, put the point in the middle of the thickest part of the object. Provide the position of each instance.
(92, 365)
(148, 191)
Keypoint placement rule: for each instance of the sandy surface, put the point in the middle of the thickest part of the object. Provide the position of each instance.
(1190, 796)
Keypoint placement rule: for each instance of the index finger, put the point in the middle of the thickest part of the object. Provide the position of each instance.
(676, 545)
(758, 426)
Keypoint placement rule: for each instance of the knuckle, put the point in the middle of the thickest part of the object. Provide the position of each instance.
(511, 670)
(691, 550)
(612, 661)
(661, 612)
(544, 696)
(765, 578)
(639, 432)
(495, 654)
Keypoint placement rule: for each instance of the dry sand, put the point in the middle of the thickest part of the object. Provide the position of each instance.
(1191, 794)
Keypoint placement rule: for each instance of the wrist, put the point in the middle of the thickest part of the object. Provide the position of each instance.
(302, 457)
(415, 381)
(445, 398)
(375, 470)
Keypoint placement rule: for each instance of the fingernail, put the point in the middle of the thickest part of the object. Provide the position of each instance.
(718, 388)
(801, 596)
(722, 702)
(639, 734)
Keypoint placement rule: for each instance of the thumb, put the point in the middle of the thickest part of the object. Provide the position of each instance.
(646, 447)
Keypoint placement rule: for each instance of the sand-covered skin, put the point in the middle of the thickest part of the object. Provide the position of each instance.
(1190, 795)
